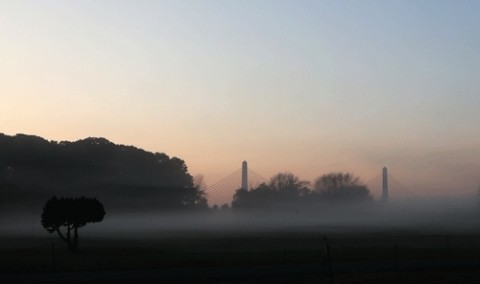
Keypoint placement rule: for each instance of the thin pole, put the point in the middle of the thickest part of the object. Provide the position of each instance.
(384, 184)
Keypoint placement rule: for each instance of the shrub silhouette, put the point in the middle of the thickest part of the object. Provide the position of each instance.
(71, 214)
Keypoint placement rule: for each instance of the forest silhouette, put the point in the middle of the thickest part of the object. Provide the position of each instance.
(32, 170)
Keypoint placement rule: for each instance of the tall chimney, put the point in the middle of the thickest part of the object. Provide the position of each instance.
(244, 175)
(385, 185)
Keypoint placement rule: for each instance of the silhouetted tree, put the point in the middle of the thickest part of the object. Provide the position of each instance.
(288, 184)
(193, 198)
(283, 190)
(71, 214)
(199, 183)
(341, 186)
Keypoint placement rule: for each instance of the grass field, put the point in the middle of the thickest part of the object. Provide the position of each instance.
(273, 256)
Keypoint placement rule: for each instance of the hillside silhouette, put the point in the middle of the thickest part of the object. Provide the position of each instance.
(32, 169)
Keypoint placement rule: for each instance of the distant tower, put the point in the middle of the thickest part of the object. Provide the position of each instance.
(244, 175)
(385, 185)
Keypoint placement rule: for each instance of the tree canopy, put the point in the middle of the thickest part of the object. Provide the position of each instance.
(288, 183)
(285, 190)
(126, 176)
(282, 190)
(341, 187)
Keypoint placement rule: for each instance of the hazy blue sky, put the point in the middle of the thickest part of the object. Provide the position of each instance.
(302, 86)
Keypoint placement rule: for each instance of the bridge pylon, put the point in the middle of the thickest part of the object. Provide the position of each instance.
(384, 184)
(244, 175)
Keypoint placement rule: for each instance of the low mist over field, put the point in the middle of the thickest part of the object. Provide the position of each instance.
(414, 216)
(145, 194)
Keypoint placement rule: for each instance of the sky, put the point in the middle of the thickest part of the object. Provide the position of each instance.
(307, 87)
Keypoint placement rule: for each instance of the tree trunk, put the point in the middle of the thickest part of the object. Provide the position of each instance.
(69, 238)
(75, 239)
(61, 235)
(72, 242)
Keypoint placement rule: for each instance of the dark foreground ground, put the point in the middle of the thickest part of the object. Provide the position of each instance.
(275, 256)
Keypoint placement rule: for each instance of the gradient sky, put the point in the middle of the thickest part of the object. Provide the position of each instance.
(303, 86)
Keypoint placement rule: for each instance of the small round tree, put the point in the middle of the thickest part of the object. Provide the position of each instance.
(71, 214)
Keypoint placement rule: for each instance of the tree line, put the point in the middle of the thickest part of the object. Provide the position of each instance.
(126, 177)
(286, 190)
(33, 169)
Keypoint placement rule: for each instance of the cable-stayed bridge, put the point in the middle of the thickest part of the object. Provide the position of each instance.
(222, 191)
